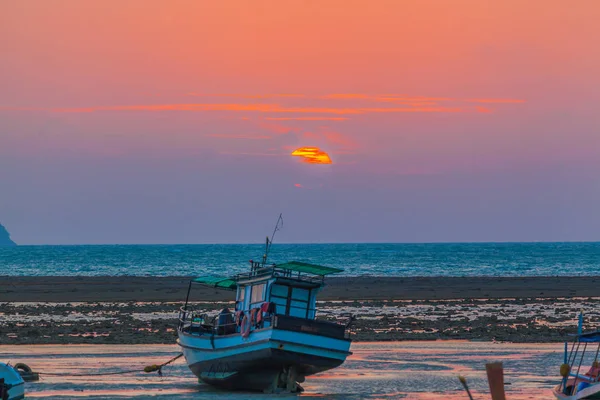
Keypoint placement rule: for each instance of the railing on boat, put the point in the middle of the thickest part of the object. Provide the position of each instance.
(192, 322)
(274, 271)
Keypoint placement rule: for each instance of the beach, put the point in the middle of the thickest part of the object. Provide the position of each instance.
(143, 310)
(376, 370)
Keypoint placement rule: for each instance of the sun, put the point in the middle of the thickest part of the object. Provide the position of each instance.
(312, 155)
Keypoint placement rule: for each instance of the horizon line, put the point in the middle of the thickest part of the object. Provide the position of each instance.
(309, 243)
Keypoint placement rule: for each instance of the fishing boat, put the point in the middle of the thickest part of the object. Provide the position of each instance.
(579, 381)
(271, 341)
(11, 382)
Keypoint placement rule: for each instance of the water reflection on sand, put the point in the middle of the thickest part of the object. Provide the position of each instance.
(404, 370)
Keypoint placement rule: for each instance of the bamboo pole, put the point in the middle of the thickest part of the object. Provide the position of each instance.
(463, 381)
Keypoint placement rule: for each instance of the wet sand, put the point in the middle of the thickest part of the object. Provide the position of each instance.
(163, 289)
(136, 310)
(501, 320)
(415, 370)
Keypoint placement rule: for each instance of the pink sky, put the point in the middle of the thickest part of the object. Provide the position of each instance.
(116, 113)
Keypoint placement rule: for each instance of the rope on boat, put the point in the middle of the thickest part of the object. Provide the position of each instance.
(147, 369)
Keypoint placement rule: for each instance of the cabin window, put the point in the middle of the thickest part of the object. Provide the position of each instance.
(279, 296)
(298, 309)
(242, 294)
(299, 303)
(258, 293)
(279, 291)
(293, 301)
(300, 294)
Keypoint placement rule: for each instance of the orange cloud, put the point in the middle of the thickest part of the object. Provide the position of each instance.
(384, 98)
(310, 136)
(250, 96)
(251, 137)
(262, 108)
(312, 155)
(340, 143)
(306, 118)
(178, 107)
(339, 139)
(243, 153)
(498, 101)
(346, 96)
(277, 128)
(297, 185)
(393, 104)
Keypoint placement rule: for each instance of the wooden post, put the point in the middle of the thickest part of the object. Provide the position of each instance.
(495, 374)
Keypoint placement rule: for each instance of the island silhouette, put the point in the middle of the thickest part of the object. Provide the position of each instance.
(5, 237)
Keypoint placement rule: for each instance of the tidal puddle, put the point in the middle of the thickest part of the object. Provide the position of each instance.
(382, 370)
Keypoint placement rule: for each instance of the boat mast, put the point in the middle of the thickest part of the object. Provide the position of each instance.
(278, 226)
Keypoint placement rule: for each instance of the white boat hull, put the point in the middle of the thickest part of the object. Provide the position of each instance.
(253, 363)
(12, 377)
(589, 393)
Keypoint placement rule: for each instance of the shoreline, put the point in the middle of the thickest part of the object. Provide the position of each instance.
(143, 310)
(165, 289)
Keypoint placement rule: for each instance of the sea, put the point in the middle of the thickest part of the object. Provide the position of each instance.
(383, 259)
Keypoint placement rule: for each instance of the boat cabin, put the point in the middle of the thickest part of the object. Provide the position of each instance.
(286, 290)
(292, 288)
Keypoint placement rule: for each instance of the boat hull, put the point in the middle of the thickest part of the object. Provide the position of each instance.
(256, 362)
(12, 377)
(589, 393)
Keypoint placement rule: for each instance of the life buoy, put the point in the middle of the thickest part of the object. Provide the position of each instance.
(245, 328)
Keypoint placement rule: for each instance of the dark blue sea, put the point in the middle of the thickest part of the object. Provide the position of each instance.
(460, 259)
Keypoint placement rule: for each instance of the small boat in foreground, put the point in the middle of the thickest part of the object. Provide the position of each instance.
(12, 384)
(578, 381)
(272, 340)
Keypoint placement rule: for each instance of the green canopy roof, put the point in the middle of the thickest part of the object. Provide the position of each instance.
(309, 268)
(217, 282)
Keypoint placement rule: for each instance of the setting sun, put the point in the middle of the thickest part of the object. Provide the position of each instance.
(312, 155)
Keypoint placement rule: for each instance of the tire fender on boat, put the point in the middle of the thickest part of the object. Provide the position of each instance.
(26, 372)
(245, 328)
(23, 367)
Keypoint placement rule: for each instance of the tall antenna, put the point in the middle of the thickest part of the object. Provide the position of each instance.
(278, 226)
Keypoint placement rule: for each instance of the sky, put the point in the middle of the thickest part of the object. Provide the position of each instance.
(144, 121)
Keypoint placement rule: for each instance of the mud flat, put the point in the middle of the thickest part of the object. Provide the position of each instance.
(521, 320)
(130, 310)
(166, 289)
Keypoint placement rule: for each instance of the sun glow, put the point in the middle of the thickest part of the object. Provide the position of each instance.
(312, 155)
